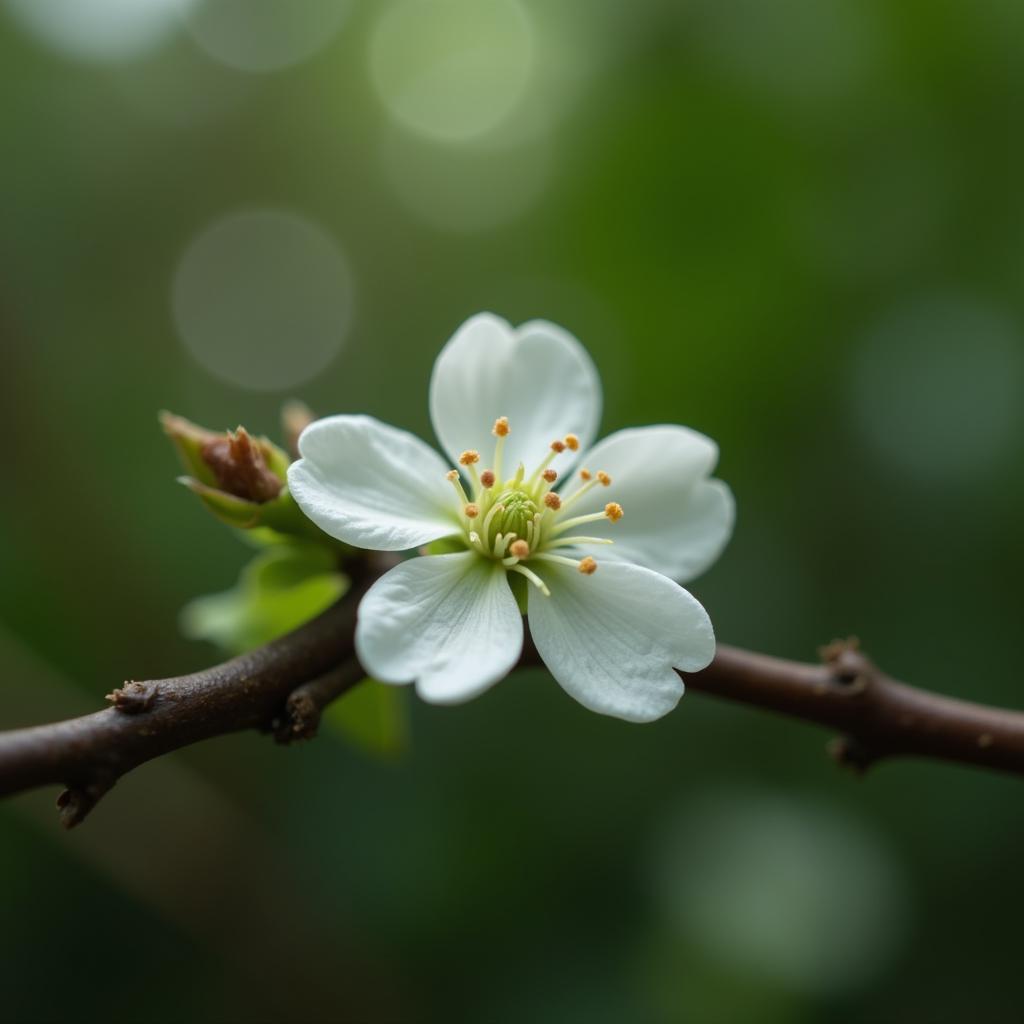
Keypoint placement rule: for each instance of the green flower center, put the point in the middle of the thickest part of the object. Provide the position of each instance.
(520, 510)
(522, 519)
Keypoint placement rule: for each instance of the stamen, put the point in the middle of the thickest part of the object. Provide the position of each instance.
(577, 494)
(604, 478)
(572, 442)
(573, 563)
(557, 447)
(519, 549)
(501, 542)
(501, 430)
(585, 474)
(553, 501)
(495, 511)
(612, 511)
(550, 475)
(565, 542)
(532, 577)
(469, 458)
(588, 566)
(453, 478)
(472, 510)
(487, 479)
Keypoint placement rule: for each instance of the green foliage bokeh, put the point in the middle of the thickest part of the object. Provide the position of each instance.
(738, 202)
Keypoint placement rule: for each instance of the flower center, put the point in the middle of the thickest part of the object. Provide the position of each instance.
(521, 519)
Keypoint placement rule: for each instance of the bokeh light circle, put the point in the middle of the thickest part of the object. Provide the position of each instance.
(101, 30)
(265, 35)
(263, 299)
(452, 69)
(784, 889)
(937, 388)
(466, 189)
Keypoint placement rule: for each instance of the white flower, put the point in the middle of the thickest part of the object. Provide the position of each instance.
(515, 409)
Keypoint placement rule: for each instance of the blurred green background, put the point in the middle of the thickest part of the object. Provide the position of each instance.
(795, 225)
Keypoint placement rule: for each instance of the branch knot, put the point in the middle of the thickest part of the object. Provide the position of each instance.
(134, 698)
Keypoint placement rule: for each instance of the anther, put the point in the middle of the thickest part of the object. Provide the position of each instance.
(452, 475)
(486, 479)
(469, 458)
(613, 510)
(604, 478)
(519, 549)
(472, 510)
(572, 442)
(585, 474)
(588, 566)
(554, 502)
(558, 446)
(501, 427)
(550, 475)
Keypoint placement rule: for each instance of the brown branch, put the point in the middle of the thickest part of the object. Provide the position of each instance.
(147, 719)
(876, 716)
(284, 686)
(306, 703)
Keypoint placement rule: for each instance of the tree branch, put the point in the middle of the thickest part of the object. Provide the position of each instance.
(283, 687)
(877, 716)
(147, 719)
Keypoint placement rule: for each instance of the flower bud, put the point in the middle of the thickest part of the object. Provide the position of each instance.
(241, 479)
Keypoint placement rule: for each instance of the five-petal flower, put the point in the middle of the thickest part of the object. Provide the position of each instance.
(600, 550)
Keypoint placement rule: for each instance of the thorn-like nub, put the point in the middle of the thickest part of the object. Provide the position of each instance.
(553, 501)
(452, 474)
(572, 442)
(613, 510)
(486, 479)
(501, 427)
(604, 478)
(588, 566)
(558, 446)
(585, 474)
(550, 475)
(519, 549)
(472, 511)
(469, 458)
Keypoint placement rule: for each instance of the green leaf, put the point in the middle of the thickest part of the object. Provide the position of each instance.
(281, 588)
(188, 439)
(373, 717)
(270, 522)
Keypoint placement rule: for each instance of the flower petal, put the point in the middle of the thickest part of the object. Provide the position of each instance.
(538, 375)
(372, 485)
(449, 622)
(677, 521)
(612, 639)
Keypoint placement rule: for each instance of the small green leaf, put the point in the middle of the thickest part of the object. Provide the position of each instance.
(237, 512)
(281, 588)
(373, 717)
(189, 439)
